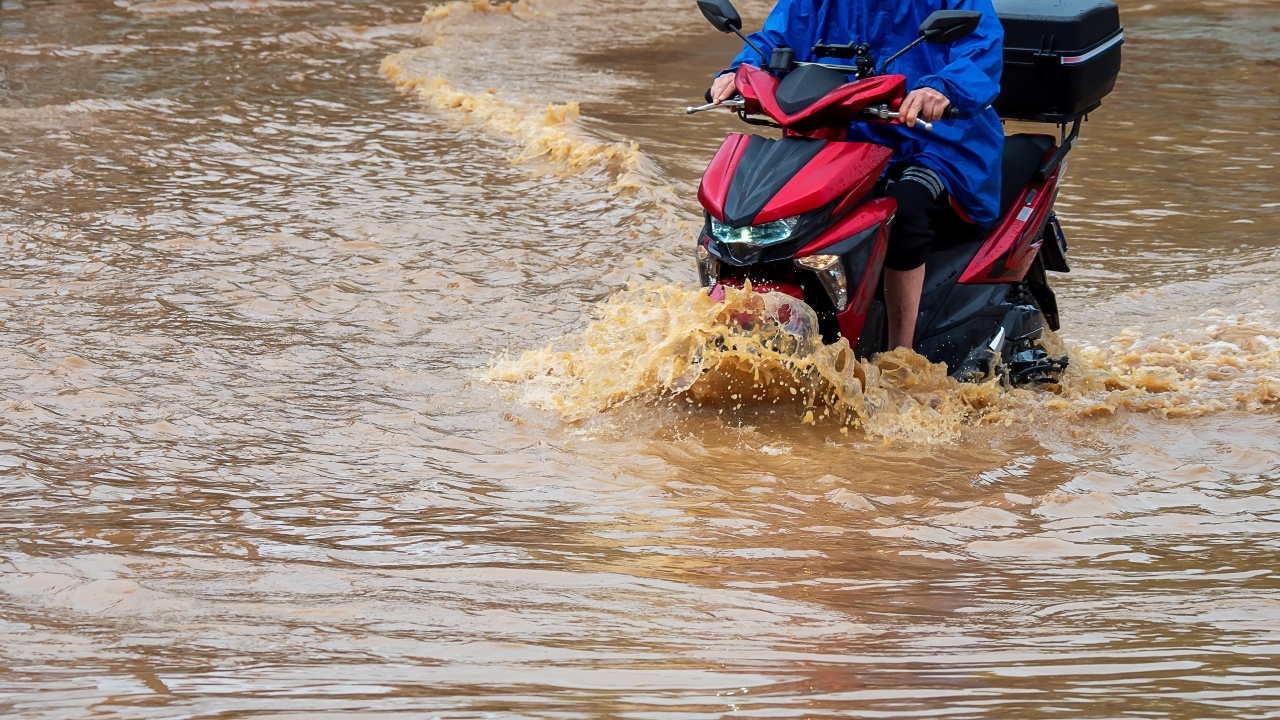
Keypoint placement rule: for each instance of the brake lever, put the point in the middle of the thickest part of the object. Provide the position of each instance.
(884, 113)
(731, 104)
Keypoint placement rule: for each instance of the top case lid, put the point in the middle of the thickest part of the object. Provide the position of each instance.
(1063, 26)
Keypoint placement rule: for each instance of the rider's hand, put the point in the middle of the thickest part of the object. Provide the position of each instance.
(924, 103)
(724, 87)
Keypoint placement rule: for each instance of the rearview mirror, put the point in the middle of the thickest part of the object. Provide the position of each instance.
(722, 16)
(943, 26)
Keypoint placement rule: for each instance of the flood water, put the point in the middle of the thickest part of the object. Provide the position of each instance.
(270, 446)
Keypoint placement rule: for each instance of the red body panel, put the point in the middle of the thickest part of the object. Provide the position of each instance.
(715, 181)
(786, 288)
(838, 169)
(757, 89)
(837, 109)
(1009, 250)
(879, 210)
(792, 289)
(855, 316)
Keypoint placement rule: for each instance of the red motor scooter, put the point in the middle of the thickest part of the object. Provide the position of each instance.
(801, 215)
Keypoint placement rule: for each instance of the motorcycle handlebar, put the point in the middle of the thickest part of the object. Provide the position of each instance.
(878, 111)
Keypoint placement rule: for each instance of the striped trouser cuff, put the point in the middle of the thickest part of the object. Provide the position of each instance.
(925, 177)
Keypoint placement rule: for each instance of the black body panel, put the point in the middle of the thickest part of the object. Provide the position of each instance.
(766, 166)
(1038, 285)
(1053, 249)
(950, 312)
(806, 85)
(1035, 83)
(955, 344)
(875, 328)
(1023, 156)
(954, 318)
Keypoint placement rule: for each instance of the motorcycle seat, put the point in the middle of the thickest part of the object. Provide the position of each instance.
(1023, 154)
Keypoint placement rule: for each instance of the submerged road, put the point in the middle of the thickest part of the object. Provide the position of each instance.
(269, 446)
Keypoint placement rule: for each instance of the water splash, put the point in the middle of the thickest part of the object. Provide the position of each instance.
(751, 351)
(1224, 364)
(661, 343)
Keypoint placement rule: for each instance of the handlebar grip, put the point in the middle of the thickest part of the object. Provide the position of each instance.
(707, 95)
(951, 113)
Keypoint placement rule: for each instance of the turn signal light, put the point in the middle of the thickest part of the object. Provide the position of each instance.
(830, 272)
(708, 267)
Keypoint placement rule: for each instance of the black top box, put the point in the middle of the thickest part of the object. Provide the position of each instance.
(1061, 57)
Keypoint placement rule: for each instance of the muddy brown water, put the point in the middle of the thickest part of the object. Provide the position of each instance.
(269, 446)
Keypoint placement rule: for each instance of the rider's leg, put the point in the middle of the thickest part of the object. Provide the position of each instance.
(902, 300)
(919, 193)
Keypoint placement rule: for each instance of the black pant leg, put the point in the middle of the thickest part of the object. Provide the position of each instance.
(913, 227)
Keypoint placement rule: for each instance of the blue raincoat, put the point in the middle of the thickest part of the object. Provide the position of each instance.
(965, 152)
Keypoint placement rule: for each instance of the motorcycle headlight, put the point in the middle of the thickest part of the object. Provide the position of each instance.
(766, 234)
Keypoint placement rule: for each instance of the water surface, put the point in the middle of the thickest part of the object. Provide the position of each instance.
(259, 257)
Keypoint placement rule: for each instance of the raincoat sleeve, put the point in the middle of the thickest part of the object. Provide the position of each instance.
(788, 25)
(971, 77)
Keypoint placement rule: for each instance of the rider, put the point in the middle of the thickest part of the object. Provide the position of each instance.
(948, 178)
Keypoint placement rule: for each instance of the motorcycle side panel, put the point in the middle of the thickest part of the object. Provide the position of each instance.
(955, 344)
(1008, 252)
(839, 169)
(719, 174)
(956, 316)
(863, 258)
(878, 210)
(854, 318)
